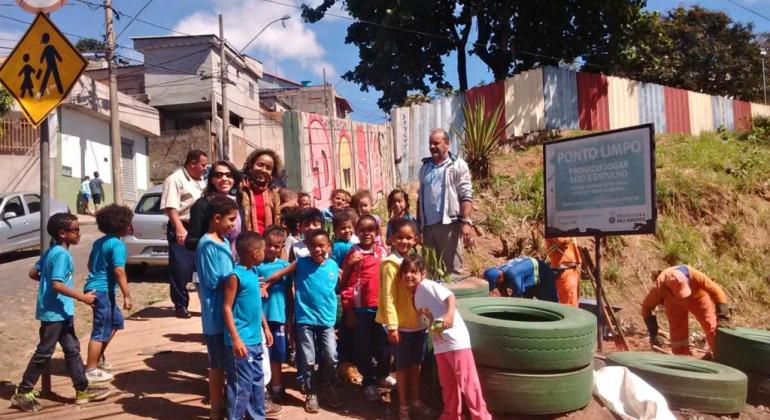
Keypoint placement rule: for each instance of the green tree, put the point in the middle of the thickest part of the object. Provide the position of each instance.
(85, 45)
(6, 102)
(401, 44)
(516, 35)
(696, 49)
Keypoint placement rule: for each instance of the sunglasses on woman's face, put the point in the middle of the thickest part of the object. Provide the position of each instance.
(222, 174)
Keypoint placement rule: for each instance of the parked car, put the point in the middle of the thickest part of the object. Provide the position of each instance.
(20, 220)
(146, 242)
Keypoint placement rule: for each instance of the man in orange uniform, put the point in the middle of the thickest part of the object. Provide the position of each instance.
(682, 289)
(564, 258)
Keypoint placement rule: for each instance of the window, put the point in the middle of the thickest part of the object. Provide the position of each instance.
(149, 204)
(251, 91)
(13, 204)
(33, 203)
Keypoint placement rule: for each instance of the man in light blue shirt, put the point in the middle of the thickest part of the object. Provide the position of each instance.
(445, 202)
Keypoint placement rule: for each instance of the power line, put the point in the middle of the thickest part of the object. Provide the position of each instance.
(749, 10)
(133, 19)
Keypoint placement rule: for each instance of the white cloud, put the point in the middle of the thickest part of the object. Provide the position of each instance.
(8, 40)
(245, 18)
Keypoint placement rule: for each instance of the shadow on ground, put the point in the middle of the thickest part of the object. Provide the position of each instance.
(18, 255)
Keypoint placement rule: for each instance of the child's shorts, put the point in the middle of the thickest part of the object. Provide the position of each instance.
(410, 348)
(278, 351)
(107, 317)
(215, 345)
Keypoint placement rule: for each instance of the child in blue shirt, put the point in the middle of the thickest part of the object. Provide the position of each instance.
(274, 306)
(214, 263)
(315, 312)
(242, 312)
(342, 225)
(55, 310)
(107, 269)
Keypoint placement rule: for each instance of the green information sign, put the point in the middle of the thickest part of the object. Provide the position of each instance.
(602, 183)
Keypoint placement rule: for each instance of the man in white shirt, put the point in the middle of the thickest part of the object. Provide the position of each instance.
(180, 190)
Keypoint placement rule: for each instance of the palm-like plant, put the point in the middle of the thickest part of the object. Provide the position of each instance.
(480, 138)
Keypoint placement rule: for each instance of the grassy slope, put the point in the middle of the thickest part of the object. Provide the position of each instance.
(714, 213)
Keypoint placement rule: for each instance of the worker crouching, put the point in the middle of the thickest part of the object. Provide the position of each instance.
(524, 277)
(682, 290)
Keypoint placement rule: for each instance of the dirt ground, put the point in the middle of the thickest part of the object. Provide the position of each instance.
(18, 326)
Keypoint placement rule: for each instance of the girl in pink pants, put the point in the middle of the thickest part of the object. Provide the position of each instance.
(451, 342)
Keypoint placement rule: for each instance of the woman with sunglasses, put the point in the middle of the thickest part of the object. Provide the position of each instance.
(223, 179)
(260, 206)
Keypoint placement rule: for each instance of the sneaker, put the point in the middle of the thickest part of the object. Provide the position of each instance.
(371, 393)
(181, 312)
(98, 375)
(92, 393)
(387, 382)
(26, 401)
(421, 410)
(403, 413)
(272, 410)
(330, 396)
(311, 403)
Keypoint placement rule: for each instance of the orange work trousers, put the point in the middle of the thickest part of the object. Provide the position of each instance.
(677, 310)
(567, 286)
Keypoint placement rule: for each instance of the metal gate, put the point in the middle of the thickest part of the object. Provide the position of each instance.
(128, 170)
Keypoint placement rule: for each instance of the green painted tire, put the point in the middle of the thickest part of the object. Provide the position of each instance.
(531, 394)
(686, 382)
(468, 288)
(745, 349)
(759, 389)
(528, 335)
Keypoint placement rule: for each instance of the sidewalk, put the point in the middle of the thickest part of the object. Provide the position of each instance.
(160, 372)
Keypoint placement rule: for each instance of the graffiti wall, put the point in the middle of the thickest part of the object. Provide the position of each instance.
(322, 155)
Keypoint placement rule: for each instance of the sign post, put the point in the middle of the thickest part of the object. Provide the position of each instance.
(39, 73)
(599, 185)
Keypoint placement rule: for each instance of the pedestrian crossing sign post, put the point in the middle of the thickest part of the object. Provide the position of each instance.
(42, 69)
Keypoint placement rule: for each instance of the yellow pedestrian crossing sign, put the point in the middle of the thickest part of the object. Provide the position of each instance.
(42, 69)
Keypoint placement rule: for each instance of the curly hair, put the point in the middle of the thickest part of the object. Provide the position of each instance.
(114, 219)
(355, 202)
(57, 222)
(253, 156)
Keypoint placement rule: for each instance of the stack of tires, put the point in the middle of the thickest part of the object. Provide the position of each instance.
(533, 357)
(748, 350)
(687, 382)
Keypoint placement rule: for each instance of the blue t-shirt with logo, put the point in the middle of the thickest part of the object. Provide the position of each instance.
(274, 306)
(247, 308)
(55, 265)
(214, 263)
(315, 301)
(107, 253)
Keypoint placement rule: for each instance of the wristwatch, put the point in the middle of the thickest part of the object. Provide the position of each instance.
(468, 222)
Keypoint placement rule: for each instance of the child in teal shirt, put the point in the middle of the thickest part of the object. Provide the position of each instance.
(274, 306)
(242, 310)
(55, 310)
(107, 269)
(214, 263)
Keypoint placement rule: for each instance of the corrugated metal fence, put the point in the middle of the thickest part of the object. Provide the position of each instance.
(558, 98)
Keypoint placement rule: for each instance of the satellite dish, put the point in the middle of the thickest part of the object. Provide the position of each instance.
(40, 6)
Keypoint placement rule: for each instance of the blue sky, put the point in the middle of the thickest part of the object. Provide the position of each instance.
(299, 52)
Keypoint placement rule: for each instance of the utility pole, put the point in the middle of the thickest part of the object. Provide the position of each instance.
(224, 81)
(763, 53)
(117, 174)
